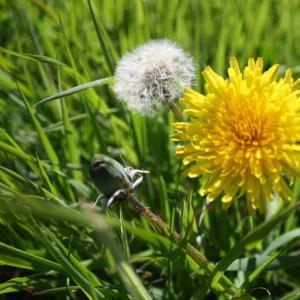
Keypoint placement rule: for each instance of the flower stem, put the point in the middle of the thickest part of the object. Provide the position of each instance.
(177, 113)
(176, 238)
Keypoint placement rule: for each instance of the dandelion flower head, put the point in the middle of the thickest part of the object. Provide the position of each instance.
(153, 75)
(243, 136)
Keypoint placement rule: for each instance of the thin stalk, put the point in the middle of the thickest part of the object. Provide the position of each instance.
(177, 113)
(176, 238)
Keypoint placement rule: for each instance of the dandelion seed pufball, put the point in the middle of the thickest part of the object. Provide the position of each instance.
(152, 76)
(243, 136)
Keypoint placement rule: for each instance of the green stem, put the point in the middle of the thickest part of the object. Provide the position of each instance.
(190, 250)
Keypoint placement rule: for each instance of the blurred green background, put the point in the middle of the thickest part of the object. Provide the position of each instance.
(49, 46)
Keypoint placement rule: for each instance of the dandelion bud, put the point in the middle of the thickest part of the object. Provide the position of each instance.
(153, 75)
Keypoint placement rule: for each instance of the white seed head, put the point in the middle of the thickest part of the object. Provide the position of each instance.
(153, 75)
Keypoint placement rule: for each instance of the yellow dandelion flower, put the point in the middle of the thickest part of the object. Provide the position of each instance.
(243, 137)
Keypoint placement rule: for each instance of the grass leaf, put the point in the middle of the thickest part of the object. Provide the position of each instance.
(33, 57)
(76, 89)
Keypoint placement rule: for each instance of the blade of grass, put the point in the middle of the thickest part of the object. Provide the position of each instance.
(9, 253)
(26, 182)
(45, 178)
(258, 233)
(282, 240)
(102, 42)
(254, 275)
(76, 89)
(81, 275)
(104, 235)
(44, 139)
(71, 138)
(294, 295)
(250, 264)
(52, 156)
(14, 151)
(22, 284)
(33, 57)
(75, 268)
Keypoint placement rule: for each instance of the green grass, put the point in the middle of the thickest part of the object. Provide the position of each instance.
(52, 245)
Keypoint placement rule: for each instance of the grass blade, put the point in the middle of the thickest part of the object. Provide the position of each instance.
(258, 271)
(101, 39)
(282, 240)
(22, 284)
(128, 276)
(81, 275)
(257, 234)
(294, 295)
(250, 264)
(14, 257)
(33, 57)
(14, 151)
(76, 89)
(44, 139)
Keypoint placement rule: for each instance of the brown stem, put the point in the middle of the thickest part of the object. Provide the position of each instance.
(191, 251)
(177, 113)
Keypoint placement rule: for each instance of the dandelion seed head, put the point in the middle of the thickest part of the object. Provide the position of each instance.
(243, 136)
(153, 75)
